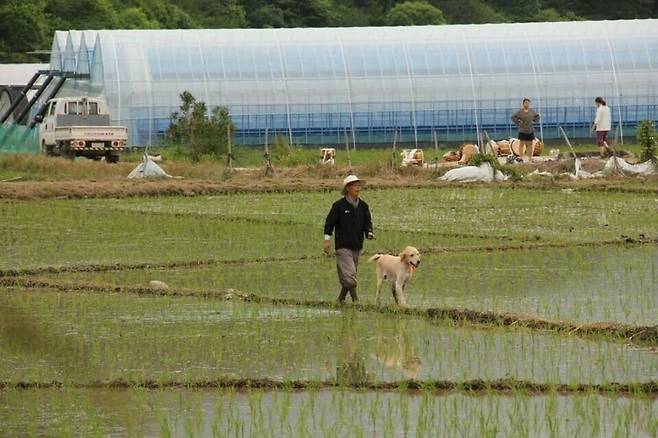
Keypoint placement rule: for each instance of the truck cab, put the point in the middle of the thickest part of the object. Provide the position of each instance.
(80, 126)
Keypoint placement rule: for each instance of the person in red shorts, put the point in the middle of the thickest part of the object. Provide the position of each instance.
(602, 124)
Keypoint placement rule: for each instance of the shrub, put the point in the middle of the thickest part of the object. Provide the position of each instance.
(287, 155)
(646, 136)
(280, 148)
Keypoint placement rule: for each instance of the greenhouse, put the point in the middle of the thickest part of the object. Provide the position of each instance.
(371, 85)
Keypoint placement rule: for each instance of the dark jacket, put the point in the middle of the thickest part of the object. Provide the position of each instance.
(351, 224)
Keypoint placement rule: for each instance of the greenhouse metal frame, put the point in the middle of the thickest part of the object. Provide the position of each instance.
(369, 85)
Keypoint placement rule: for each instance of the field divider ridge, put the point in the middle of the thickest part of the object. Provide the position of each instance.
(635, 389)
(645, 336)
(32, 190)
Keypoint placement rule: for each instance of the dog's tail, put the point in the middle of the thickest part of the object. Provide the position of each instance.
(375, 257)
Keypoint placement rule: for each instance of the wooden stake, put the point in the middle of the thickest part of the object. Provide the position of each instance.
(489, 149)
(229, 157)
(393, 153)
(349, 158)
(269, 170)
(435, 138)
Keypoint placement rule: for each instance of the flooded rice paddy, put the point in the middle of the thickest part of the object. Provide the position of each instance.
(584, 257)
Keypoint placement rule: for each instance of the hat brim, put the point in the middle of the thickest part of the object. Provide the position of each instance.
(344, 190)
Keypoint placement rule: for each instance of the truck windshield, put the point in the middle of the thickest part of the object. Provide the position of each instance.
(74, 108)
(82, 108)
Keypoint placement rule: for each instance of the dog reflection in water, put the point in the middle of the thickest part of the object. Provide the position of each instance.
(398, 352)
(393, 348)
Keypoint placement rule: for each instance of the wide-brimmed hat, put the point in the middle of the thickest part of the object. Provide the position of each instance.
(347, 181)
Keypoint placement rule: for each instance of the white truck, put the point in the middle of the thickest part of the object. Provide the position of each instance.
(80, 127)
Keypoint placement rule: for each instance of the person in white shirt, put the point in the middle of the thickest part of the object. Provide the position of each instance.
(602, 124)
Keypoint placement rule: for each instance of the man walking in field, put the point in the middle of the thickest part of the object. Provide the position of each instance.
(350, 218)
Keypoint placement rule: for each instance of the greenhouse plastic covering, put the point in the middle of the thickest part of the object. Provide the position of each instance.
(369, 85)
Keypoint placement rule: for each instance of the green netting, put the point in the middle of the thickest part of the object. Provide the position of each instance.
(18, 139)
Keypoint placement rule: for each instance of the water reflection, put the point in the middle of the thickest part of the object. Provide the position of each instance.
(398, 352)
(392, 348)
(23, 331)
(350, 362)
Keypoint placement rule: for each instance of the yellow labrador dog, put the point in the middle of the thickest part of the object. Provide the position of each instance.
(397, 270)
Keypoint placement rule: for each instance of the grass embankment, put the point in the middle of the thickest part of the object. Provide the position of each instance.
(303, 162)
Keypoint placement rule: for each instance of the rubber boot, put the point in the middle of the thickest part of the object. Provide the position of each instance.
(352, 292)
(341, 296)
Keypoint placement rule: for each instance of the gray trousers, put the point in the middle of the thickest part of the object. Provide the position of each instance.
(347, 262)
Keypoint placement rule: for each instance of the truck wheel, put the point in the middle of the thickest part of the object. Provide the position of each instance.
(46, 149)
(110, 158)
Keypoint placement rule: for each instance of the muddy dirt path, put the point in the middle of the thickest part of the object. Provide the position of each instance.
(255, 183)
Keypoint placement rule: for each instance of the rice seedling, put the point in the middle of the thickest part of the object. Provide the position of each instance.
(62, 234)
(200, 413)
(75, 343)
(551, 215)
(579, 284)
(114, 338)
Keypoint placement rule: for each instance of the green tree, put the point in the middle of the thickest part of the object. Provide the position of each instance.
(469, 11)
(82, 14)
(268, 16)
(349, 16)
(596, 10)
(27, 25)
(225, 14)
(519, 10)
(168, 15)
(553, 15)
(136, 18)
(24, 28)
(203, 134)
(416, 12)
(307, 13)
